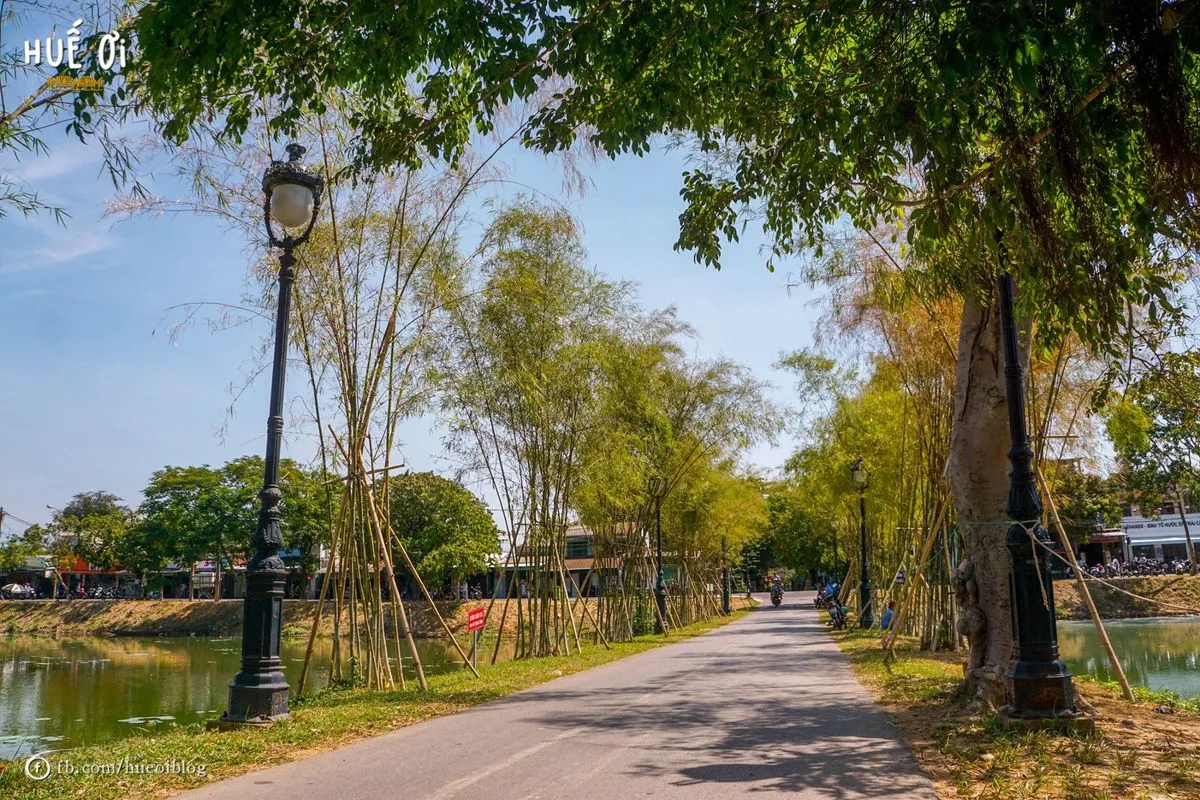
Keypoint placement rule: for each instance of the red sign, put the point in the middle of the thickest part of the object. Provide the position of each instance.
(475, 619)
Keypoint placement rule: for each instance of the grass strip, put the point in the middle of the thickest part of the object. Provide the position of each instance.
(323, 721)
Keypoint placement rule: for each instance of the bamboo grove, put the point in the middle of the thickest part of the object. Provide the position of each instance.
(565, 398)
(559, 396)
(420, 300)
(883, 388)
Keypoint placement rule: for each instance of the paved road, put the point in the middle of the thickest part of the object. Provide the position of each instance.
(764, 707)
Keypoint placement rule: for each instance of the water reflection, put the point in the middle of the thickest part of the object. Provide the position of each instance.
(68, 693)
(1159, 653)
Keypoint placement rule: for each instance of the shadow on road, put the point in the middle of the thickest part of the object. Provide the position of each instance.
(772, 704)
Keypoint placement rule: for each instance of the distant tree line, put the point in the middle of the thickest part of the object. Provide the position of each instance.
(203, 513)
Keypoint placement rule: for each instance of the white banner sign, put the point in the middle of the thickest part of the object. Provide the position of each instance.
(1158, 531)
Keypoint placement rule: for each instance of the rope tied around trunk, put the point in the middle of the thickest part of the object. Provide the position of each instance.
(1029, 527)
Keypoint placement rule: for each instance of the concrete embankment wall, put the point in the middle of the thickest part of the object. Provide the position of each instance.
(182, 617)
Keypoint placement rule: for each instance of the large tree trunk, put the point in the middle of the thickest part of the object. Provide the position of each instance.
(978, 471)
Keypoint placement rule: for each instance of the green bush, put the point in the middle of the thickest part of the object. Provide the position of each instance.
(643, 620)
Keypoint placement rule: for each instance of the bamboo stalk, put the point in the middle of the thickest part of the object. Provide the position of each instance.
(429, 599)
(312, 635)
(587, 581)
(398, 611)
(889, 638)
(570, 608)
(1087, 595)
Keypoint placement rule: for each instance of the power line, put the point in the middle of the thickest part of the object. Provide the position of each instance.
(4, 514)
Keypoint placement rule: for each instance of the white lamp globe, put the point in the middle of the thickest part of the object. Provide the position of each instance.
(292, 205)
(860, 474)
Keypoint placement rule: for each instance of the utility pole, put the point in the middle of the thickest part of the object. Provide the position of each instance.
(861, 479)
(1187, 533)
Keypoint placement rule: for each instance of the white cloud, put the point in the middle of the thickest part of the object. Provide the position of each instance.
(61, 163)
(57, 248)
(72, 245)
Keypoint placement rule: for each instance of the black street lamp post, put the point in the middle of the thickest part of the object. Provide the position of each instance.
(1042, 687)
(259, 693)
(658, 488)
(861, 479)
(726, 603)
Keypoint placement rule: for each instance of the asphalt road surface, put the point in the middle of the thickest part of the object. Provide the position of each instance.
(765, 707)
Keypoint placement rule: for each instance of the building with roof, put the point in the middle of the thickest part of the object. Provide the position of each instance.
(1162, 537)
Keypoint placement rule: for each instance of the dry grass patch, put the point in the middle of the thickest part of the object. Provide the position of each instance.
(1166, 596)
(1137, 752)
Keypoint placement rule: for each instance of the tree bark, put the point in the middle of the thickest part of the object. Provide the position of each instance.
(978, 470)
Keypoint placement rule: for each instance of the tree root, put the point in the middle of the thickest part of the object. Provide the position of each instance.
(1085, 706)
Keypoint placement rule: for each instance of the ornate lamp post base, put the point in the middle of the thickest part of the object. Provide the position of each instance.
(1068, 721)
(1041, 690)
(258, 694)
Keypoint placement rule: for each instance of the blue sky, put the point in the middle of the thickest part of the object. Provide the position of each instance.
(96, 394)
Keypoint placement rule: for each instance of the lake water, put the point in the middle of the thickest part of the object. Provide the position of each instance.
(1158, 653)
(66, 693)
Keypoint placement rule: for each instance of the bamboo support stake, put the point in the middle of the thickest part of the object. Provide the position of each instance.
(654, 602)
(1087, 595)
(845, 590)
(312, 635)
(428, 598)
(889, 638)
(509, 586)
(399, 614)
(581, 595)
(582, 599)
(950, 601)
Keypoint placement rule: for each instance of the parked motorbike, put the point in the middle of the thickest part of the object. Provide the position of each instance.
(825, 597)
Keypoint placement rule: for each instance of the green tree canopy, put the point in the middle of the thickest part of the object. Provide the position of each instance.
(1155, 428)
(1155, 431)
(1066, 125)
(33, 541)
(791, 536)
(1085, 502)
(447, 530)
(199, 513)
(94, 525)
